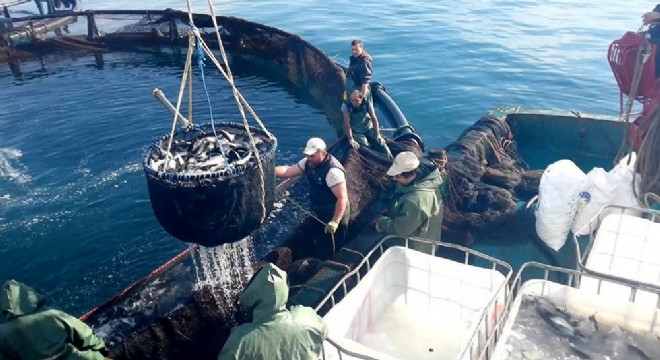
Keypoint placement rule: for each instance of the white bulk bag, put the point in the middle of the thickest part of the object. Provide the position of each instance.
(559, 194)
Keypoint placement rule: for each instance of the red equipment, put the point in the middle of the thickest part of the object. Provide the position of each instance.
(623, 58)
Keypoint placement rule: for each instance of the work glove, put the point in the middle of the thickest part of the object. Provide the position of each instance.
(380, 139)
(354, 144)
(331, 227)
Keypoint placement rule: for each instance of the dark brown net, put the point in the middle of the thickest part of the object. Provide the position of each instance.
(151, 321)
(485, 176)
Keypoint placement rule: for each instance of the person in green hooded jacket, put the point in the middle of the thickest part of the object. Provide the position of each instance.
(416, 210)
(33, 332)
(275, 333)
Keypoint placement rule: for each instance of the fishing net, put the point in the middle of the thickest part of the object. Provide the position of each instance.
(304, 65)
(484, 179)
(485, 176)
(201, 323)
(213, 207)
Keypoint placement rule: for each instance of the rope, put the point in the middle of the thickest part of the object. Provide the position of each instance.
(235, 92)
(642, 56)
(648, 197)
(186, 71)
(240, 100)
(190, 99)
(200, 61)
(647, 166)
(222, 71)
(313, 216)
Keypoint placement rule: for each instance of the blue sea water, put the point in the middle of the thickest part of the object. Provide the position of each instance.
(75, 218)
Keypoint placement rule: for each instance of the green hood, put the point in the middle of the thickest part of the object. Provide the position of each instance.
(18, 299)
(266, 294)
(429, 179)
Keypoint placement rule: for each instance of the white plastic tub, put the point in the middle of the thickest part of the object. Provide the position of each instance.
(417, 306)
(631, 316)
(628, 247)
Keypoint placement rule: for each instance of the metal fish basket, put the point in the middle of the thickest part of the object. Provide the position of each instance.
(216, 207)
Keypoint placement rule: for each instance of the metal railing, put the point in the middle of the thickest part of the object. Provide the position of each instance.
(485, 346)
(592, 228)
(573, 279)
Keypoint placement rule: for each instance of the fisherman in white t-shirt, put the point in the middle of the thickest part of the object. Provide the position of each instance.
(327, 187)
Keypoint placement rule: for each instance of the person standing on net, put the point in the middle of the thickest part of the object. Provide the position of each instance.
(328, 195)
(361, 124)
(358, 75)
(416, 209)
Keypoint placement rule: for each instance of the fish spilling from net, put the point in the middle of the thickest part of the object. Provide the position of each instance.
(543, 330)
(205, 154)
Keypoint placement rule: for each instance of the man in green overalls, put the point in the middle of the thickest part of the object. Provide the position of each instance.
(361, 124)
(416, 210)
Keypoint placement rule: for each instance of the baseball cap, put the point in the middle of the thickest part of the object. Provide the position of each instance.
(404, 162)
(314, 145)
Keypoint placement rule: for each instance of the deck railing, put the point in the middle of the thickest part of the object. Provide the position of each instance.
(485, 345)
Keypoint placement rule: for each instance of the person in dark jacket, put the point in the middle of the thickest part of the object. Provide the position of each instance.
(416, 209)
(358, 75)
(33, 332)
(328, 195)
(361, 124)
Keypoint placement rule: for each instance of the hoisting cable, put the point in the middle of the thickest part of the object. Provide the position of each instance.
(237, 96)
(186, 71)
(200, 61)
(190, 98)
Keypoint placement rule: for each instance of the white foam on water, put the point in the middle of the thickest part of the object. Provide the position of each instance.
(404, 333)
(11, 168)
(72, 194)
(225, 268)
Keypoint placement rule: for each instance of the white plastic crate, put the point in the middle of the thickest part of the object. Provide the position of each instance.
(412, 305)
(628, 315)
(628, 247)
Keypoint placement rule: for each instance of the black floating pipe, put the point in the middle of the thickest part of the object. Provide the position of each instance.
(404, 131)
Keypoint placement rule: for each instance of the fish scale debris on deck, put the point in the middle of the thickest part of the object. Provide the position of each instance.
(206, 154)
